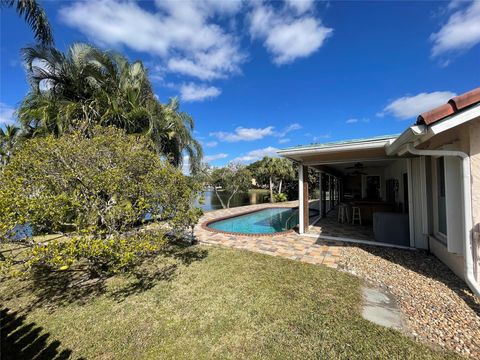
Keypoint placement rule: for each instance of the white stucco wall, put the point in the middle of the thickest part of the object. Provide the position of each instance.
(453, 261)
(475, 170)
(468, 141)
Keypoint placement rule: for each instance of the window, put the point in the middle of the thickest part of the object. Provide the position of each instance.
(441, 199)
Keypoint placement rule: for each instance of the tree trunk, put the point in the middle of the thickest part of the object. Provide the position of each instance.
(230, 198)
(271, 190)
(218, 197)
(280, 186)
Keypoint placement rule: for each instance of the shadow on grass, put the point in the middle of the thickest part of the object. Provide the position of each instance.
(21, 340)
(50, 290)
(147, 275)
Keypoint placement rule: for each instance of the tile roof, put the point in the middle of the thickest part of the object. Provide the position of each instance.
(453, 106)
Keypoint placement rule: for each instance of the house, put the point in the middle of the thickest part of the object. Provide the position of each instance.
(419, 189)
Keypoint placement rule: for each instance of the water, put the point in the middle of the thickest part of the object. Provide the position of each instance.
(251, 197)
(210, 203)
(266, 221)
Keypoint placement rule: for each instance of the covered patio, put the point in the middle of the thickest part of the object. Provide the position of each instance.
(362, 194)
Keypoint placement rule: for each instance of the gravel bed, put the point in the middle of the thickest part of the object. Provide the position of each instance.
(437, 305)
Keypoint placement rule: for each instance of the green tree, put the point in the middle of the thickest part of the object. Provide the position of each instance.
(275, 170)
(232, 179)
(95, 191)
(86, 87)
(35, 16)
(8, 141)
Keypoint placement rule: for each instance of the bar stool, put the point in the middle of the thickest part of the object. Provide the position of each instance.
(356, 215)
(343, 214)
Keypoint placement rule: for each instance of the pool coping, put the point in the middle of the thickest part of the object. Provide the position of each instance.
(205, 224)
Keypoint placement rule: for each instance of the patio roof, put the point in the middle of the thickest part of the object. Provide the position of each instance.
(377, 141)
(370, 147)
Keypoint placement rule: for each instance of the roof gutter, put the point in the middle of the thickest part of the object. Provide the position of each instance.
(409, 135)
(467, 210)
(378, 144)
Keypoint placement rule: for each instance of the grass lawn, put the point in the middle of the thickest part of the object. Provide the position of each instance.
(203, 303)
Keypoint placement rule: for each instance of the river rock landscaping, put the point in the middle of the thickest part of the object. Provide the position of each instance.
(437, 305)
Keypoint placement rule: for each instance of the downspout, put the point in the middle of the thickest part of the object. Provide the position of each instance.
(467, 204)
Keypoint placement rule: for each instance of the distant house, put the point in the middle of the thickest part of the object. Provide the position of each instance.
(419, 189)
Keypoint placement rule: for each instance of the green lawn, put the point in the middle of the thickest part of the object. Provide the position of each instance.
(203, 303)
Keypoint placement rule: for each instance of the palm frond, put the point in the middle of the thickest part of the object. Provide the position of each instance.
(35, 17)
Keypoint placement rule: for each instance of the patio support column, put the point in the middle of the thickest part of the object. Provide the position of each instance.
(301, 227)
(324, 195)
(306, 215)
(303, 198)
(320, 196)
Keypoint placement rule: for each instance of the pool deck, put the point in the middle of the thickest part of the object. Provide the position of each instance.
(288, 245)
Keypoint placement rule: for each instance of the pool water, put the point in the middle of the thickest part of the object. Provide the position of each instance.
(266, 221)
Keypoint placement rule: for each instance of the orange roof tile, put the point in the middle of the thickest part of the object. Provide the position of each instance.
(453, 106)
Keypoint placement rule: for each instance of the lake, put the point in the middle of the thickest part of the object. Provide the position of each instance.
(251, 197)
(210, 203)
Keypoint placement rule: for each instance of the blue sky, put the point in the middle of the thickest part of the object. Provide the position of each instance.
(258, 76)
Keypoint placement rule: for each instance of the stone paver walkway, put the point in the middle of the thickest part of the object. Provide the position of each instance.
(288, 245)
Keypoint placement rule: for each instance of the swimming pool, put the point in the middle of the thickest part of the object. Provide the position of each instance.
(265, 221)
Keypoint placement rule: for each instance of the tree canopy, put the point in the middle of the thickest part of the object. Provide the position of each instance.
(9, 138)
(232, 179)
(86, 87)
(273, 170)
(96, 190)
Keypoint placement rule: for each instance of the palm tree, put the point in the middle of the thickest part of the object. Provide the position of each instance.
(8, 140)
(276, 169)
(179, 126)
(268, 168)
(284, 170)
(87, 86)
(35, 17)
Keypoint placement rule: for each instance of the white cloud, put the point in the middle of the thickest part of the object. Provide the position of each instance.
(243, 134)
(283, 140)
(462, 30)
(211, 144)
(286, 36)
(210, 158)
(6, 114)
(194, 92)
(185, 37)
(411, 106)
(250, 134)
(300, 6)
(356, 120)
(257, 155)
(289, 128)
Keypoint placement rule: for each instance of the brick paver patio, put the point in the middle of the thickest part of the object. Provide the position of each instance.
(329, 226)
(290, 245)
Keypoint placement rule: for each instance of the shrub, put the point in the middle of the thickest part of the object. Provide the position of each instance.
(97, 190)
(282, 197)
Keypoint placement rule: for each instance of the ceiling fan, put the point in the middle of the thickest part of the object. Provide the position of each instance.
(357, 169)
